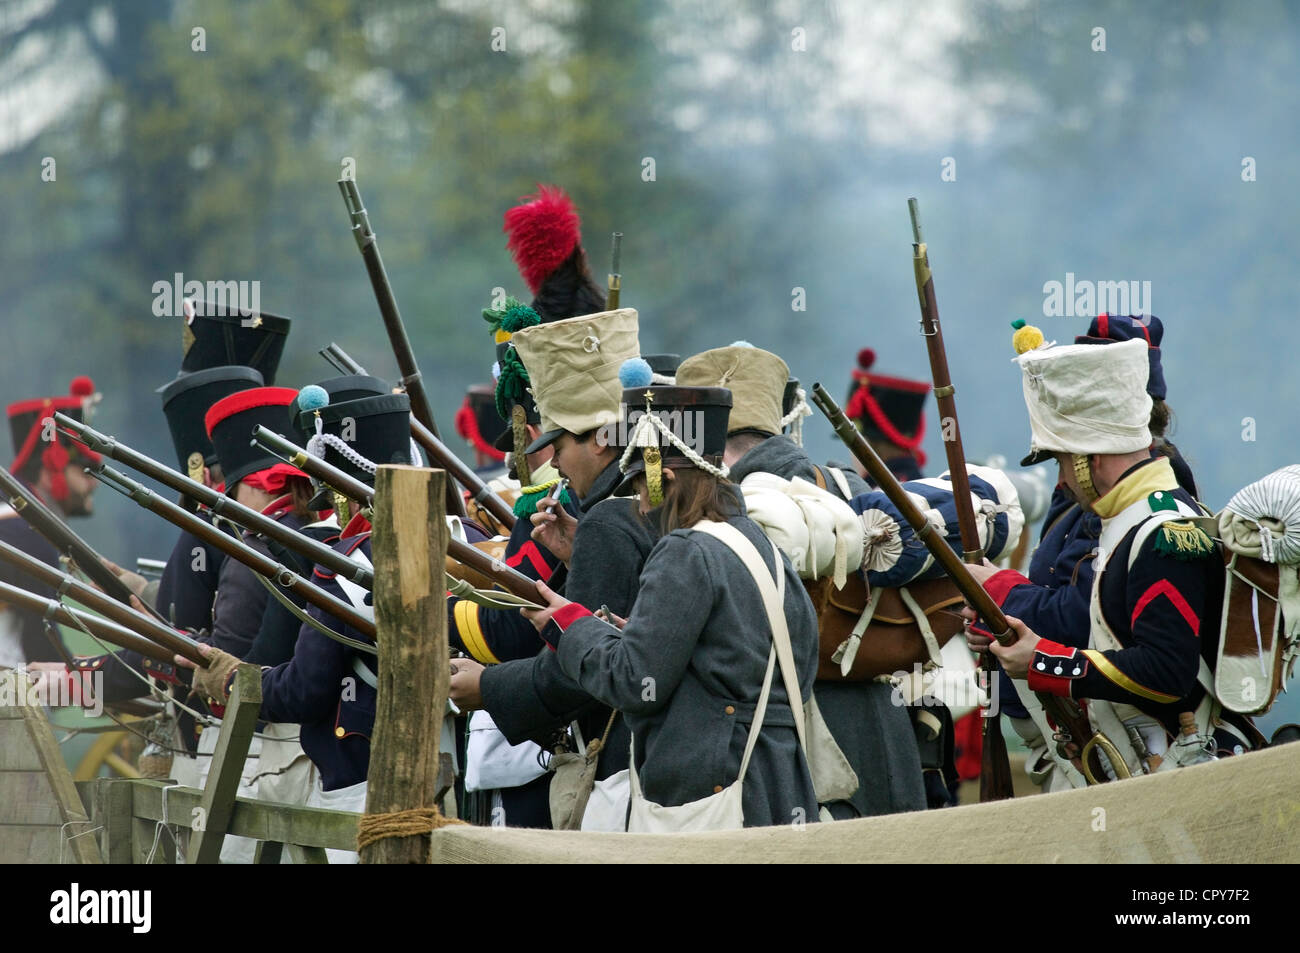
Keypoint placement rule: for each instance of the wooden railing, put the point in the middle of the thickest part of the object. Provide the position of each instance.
(148, 821)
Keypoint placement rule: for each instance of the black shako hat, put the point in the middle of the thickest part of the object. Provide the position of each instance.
(479, 423)
(888, 408)
(230, 423)
(185, 403)
(218, 334)
(27, 427)
(695, 416)
(376, 428)
(664, 365)
(340, 390)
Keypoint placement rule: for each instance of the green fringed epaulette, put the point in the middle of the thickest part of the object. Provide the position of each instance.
(530, 496)
(1183, 539)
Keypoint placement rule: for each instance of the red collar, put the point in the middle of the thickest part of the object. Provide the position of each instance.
(279, 506)
(356, 527)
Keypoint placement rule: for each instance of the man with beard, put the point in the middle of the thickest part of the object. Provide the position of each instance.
(51, 464)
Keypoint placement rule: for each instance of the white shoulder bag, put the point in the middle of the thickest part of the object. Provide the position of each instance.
(725, 810)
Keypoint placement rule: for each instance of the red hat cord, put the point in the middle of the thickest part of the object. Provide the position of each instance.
(864, 405)
(56, 458)
(466, 424)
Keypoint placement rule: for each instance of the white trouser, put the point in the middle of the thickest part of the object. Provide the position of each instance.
(234, 850)
(351, 798)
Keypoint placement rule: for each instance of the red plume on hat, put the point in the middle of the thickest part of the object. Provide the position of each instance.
(543, 232)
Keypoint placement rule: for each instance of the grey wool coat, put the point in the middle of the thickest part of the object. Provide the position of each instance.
(530, 699)
(875, 734)
(687, 671)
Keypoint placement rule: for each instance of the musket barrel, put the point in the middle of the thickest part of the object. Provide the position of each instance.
(1063, 710)
(944, 393)
(974, 593)
(219, 503)
(397, 338)
(63, 539)
(507, 578)
(174, 642)
(345, 483)
(105, 629)
(441, 456)
(261, 564)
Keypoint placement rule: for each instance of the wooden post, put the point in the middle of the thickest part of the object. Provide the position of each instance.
(409, 550)
(111, 811)
(212, 816)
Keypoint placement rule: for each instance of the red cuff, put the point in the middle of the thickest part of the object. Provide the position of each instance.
(561, 620)
(1054, 666)
(567, 615)
(999, 584)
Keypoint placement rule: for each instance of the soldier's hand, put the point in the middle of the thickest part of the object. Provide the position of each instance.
(211, 682)
(983, 572)
(539, 617)
(554, 530)
(466, 677)
(134, 581)
(1016, 657)
(605, 615)
(977, 640)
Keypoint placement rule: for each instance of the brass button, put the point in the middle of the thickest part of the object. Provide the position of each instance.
(717, 789)
(730, 709)
(339, 732)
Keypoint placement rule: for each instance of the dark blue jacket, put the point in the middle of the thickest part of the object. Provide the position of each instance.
(320, 689)
(500, 635)
(189, 582)
(1056, 605)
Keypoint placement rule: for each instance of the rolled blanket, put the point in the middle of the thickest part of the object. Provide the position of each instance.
(893, 554)
(1262, 520)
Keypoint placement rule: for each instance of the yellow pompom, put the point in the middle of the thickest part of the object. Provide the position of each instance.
(1026, 338)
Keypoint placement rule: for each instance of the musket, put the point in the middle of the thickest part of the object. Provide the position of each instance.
(104, 629)
(338, 359)
(944, 392)
(174, 642)
(68, 544)
(995, 774)
(263, 565)
(410, 380)
(1069, 717)
(507, 578)
(219, 503)
(440, 454)
(615, 276)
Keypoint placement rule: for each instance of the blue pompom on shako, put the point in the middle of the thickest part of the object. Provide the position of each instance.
(897, 557)
(635, 372)
(313, 397)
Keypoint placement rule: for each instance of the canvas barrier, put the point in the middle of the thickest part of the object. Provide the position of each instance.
(1238, 810)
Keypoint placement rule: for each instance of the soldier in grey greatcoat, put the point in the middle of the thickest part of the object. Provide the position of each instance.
(875, 734)
(688, 667)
